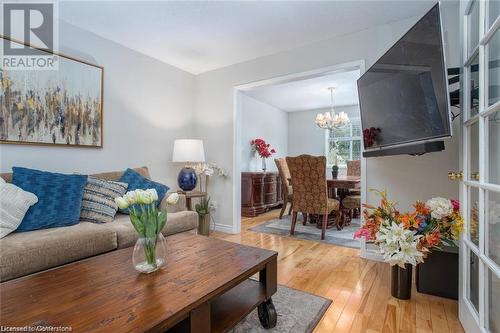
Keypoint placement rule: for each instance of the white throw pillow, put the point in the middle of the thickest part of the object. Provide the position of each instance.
(14, 203)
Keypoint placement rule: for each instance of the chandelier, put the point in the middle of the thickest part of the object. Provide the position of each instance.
(330, 119)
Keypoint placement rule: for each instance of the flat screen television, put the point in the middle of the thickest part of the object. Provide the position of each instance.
(404, 95)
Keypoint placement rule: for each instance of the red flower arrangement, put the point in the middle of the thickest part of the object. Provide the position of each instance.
(262, 148)
(369, 136)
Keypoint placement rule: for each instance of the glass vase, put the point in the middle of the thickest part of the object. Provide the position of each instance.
(264, 168)
(149, 253)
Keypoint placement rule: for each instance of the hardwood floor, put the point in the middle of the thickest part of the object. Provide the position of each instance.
(359, 288)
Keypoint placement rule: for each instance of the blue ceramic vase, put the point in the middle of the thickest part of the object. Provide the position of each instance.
(187, 179)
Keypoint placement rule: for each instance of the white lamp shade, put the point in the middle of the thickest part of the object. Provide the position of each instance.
(188, 150)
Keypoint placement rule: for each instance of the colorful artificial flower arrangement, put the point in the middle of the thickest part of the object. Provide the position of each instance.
(409, 237)
(262, 148)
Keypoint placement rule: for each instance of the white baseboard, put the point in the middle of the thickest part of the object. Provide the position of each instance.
(222, 228)
(370, 251)
(369, 255)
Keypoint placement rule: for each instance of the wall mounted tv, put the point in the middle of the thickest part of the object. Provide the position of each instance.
(404, 97)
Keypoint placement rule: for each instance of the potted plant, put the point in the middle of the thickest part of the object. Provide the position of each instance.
(263, 149)
(203, 210)
(336, 158)
(150, 249)
(206, 207)
(406, 239)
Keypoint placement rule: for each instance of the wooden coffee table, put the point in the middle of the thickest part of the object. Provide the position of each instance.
(204, 287)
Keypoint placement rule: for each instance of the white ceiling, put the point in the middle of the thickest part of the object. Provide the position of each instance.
(200, 36)
(311, 93)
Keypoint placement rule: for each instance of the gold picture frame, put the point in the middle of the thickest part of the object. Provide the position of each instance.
(52, 107)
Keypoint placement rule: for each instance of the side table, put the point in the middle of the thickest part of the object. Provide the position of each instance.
(192, 194)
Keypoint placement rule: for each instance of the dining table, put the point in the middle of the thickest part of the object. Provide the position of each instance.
(343, 184)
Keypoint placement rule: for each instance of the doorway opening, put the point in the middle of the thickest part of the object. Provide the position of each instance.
(282, 111)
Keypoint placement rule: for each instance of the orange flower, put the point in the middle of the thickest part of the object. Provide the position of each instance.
(433, 238)
(373, 226)
(421, 209)
(421, 247)
(409, 220)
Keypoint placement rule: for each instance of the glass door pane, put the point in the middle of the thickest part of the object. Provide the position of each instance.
(493, 11)
(493, 322)
(474, 280)
(473, 24)
(473, 226)
(493, 227)
(493, 68)
(494, 148)
(474, 86)
(473, 152)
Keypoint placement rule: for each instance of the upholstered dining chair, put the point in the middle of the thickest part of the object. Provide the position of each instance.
(354, 168)
(352, 205)
(310, 189)
(284, 174)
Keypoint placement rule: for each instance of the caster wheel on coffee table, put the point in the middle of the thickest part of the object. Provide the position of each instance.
(267, 314)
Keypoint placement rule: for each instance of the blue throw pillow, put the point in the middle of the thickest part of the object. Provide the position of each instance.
(136, 181)
(59, 198)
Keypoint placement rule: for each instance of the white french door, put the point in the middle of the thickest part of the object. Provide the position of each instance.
(479, 298)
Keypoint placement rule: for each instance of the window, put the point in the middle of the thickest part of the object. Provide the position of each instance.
(348, 142)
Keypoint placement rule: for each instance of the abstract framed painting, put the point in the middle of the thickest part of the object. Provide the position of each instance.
(60, 107)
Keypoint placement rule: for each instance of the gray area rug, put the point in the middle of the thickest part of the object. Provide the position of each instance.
(281, 227)
(297, 311)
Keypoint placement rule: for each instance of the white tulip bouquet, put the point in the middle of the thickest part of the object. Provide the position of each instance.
(146, 218)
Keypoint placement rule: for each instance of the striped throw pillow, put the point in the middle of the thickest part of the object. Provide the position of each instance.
(98, 203)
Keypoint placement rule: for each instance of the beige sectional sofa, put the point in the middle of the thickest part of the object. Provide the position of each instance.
(33, 251)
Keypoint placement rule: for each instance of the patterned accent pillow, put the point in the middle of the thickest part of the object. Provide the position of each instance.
(98, 203)
(14, 203)
(59, 198)
(136, 181)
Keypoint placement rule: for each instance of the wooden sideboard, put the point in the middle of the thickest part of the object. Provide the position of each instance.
(260, 191)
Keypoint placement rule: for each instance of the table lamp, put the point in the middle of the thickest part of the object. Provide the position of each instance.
(188, 151)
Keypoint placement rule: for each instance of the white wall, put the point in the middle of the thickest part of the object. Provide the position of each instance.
(304, 137)
(147, 104)
(261, 120)
(407, 178)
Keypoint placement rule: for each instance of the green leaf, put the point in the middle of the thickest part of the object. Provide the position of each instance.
(162, 216)
(203, 208)
(161, 220)
(138, 225)
(150, 229)
(149, 226)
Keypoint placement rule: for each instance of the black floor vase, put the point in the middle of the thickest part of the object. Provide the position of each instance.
(401, 281)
